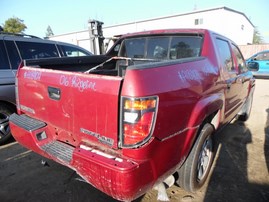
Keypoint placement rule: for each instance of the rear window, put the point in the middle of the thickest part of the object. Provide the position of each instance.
(162, 47)
(13, 54)
(33, 50)
(70, 51)
(3, 57)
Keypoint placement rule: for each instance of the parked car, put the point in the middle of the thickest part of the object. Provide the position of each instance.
(261, 60)
(129, 120)
(13, 49)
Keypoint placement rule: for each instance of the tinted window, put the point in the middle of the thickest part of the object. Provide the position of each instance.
(70, 51)
(134, 48)
(4, 64)
(183, 47)
(167, 47)
(240, 60)
(157, 47)
(13, 54)
(225, 55)
(33, 50)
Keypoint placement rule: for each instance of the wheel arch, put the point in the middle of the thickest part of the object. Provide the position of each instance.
(8, 104)
(209, 109)
(6, 109)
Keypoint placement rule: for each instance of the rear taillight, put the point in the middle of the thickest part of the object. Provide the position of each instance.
(137, 120)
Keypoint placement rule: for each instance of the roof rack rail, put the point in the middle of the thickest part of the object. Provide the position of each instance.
(22, 35)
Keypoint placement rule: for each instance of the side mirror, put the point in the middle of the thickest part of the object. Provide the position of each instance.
(253, 66)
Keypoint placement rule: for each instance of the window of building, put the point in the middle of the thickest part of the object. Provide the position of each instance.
(198, 21)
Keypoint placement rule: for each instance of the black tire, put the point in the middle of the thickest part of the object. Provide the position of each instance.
(244, 114)
(5, 112)
(193, 173)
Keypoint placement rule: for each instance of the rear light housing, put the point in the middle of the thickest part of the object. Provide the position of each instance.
(137, 122)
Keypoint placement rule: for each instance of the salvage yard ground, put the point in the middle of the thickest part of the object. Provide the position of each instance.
(240, 171)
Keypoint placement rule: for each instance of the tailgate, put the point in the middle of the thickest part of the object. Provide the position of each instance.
(78, 106)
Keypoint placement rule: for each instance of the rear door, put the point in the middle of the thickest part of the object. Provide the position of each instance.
(7, 76)
(244, 76)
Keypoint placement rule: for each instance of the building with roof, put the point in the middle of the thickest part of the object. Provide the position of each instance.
(228, 22)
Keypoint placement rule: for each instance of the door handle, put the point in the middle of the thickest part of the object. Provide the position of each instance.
(54, 93)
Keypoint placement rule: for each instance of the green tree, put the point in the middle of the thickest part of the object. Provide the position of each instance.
(14, 25)
(257, 38)
(49, 32)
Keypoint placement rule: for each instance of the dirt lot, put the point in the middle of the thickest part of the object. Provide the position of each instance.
(240, 171)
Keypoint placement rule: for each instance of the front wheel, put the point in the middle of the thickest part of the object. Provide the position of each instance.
(193, 173)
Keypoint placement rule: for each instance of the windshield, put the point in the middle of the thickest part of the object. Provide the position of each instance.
(162, 47)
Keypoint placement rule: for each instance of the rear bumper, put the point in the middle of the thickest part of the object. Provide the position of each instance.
(118, 177)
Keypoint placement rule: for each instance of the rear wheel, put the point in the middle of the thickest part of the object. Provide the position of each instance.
(5, 112)
(193, 173)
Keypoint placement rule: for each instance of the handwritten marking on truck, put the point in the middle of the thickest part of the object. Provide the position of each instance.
(76, 82)
(34, 75)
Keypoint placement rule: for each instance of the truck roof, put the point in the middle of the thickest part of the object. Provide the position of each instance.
(174, 31)
(166, 31)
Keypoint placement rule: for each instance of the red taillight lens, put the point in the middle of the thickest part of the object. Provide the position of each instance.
(138, 119)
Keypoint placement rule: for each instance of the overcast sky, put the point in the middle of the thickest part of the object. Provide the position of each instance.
(65, 16)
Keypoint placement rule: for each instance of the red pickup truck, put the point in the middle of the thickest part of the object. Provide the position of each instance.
(142, 115)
